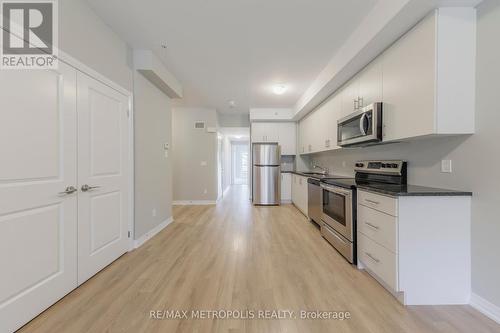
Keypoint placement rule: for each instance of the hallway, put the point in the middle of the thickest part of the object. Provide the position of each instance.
(233, 256)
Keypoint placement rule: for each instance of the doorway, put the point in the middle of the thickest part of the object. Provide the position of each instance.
(240, 156)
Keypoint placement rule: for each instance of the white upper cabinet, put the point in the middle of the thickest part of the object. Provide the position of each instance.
(259, 132)
(284, 133)
(363, 89)
(330, 124)
(425, 81)
(318, 131)
(349, 95)
(287, 133)
(428, 78)
(370, 84)
(306, 134)
(264, 132)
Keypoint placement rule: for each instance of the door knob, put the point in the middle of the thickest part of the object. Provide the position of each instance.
(86, 188)
(69, 190)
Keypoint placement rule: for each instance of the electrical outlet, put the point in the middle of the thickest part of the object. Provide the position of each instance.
(153, 212)
(446, 166)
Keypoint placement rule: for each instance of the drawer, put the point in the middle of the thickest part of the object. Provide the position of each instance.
(379, 260)
(378, 202)
(342, 245)
(380, 227)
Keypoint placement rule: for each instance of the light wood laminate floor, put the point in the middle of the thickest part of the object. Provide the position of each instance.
(233, 256)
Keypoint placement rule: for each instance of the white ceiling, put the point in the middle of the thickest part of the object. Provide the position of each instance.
(225, 50)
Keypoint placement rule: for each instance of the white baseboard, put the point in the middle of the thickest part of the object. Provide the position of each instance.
(148, 235)
(193, 202)
(485, 307)
(286, 202)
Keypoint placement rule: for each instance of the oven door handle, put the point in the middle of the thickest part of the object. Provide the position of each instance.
(335, 190)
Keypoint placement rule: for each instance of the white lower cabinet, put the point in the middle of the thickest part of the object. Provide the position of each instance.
(299, 193)
(417, 247)
(286, 187)
(379, 260)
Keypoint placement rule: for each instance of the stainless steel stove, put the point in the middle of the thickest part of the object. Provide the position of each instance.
(338, 219)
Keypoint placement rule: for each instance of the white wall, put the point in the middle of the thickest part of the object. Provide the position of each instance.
(233, 120)
(475, 158)
(190, 147)
(153, 170)
(84, 36)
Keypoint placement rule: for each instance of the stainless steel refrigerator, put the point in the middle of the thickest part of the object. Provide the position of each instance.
(266, 160)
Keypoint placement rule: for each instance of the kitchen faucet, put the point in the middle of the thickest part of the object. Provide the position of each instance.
(324, 170)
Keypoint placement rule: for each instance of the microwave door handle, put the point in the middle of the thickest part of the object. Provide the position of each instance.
(362, 121)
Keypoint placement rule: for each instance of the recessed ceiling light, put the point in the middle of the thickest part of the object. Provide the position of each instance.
(231, 103)
(279, 89)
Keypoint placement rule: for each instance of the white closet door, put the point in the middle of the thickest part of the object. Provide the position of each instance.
(103, 163)
(38, 226)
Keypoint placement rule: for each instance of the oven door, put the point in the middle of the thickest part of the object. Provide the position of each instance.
(361, 127)
(337, 210)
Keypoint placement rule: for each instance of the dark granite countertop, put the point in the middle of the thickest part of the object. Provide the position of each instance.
(305, 174)
(410, 190)
(385, 189)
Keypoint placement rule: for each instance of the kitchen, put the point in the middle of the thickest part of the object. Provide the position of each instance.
(367, 209)
(253, 166)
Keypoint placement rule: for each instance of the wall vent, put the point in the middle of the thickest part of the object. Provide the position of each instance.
(199, 125)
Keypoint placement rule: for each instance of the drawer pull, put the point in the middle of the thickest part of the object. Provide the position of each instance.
(372, 226)
(372, 257)
(372, 202)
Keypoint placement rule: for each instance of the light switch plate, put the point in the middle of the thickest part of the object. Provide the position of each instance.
(446, 166)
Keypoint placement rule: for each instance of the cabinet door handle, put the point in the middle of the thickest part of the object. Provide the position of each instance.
(360, 103)
(369, 255)
(372, 202)
(356, 104)
(372, 226)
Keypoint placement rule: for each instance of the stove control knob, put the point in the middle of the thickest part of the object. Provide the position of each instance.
(359, 165)
(384, 165)
(394, 165)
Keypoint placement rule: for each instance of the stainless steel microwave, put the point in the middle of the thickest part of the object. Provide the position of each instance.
(361, 127)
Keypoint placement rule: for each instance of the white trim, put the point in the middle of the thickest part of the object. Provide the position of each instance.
(150, 234)
(224, 193)
(286, 202)
(193, 202)
(484, 306)
(64, 57)
(131, 136)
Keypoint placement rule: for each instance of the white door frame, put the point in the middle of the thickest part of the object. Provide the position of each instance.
(66, 58)
(240, 143)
